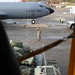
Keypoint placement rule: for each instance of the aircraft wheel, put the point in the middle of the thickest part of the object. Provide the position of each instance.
(33, 21)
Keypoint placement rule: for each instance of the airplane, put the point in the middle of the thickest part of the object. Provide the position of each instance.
(24, 10)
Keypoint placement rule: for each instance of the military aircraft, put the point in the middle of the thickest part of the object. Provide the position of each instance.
(24, 10)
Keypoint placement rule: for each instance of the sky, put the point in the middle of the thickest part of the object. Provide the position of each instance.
(9, 0)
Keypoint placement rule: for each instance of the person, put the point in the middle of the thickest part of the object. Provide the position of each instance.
(38, 33)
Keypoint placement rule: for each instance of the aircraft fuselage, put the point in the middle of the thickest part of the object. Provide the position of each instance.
(23, 10)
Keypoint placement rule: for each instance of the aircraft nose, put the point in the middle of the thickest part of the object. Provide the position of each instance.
(50, 10)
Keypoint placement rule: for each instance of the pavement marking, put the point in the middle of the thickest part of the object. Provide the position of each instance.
(37, 25)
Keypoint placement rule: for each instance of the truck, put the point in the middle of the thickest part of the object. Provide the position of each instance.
(70, 24)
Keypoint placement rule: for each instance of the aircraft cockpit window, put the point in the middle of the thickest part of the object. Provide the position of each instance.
(41, 6)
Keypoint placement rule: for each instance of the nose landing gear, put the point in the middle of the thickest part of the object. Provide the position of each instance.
(33, 21)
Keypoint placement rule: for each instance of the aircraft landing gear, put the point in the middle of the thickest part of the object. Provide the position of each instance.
(33, 21)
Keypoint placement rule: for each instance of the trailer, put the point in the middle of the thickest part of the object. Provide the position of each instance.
(37, 65)
(46, 70)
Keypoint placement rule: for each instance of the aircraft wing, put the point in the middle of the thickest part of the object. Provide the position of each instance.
(3, 15)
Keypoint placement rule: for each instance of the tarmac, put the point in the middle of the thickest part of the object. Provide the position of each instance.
(51, 31)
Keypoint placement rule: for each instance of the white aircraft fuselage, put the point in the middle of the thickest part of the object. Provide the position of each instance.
(23, 10)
